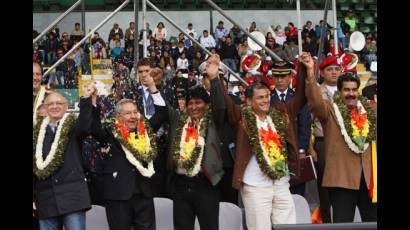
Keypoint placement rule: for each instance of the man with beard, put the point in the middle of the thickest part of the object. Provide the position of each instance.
(349, 127)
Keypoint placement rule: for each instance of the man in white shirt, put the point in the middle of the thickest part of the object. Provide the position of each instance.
(207, 40)
(220, 33)
(190, 29)
(266, 154)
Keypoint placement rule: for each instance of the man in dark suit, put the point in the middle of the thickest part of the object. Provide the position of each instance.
(282, 94)
(127, 185)
(61, 195)
(144, 67)
(194, 187)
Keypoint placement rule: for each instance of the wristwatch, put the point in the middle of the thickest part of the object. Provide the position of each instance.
(302, 151)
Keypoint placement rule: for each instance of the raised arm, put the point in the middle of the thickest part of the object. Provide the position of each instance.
(93, 112)
(85, 118)
(317, 104)
(299, 100)
(217, 102)
(160, 115)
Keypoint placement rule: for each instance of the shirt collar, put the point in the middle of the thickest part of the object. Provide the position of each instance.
(279, 92)
(331, 89)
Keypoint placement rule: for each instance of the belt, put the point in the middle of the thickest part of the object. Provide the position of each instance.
(319, 138)
(200, 175)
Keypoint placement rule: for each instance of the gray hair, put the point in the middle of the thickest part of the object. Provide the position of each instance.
(118, 107)
(59, 94)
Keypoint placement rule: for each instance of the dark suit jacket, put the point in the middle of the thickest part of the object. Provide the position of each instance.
(66, 190)
(289, 110)
(121, 178)
(370, 91)
(211, 162)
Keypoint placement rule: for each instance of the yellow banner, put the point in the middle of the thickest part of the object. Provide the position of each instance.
(374, 171)
(101, 77)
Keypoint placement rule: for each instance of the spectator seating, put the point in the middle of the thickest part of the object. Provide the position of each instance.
(96, 218)
(303, 215)
(163, 213)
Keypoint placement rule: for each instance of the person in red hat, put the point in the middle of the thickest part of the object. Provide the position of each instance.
(349, 61)
(330, 70)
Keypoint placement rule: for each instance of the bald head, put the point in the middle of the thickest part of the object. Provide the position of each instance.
(56, 106)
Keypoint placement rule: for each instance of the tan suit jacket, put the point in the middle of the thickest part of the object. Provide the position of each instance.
(343, 167)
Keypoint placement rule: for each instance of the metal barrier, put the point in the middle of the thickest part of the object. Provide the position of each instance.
(322, 38)
(193, 40)
(57, 21)
(222, 12)
(86, 37)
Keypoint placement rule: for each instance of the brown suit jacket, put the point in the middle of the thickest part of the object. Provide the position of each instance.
(318, 131)
(289, 110)
(343, 167)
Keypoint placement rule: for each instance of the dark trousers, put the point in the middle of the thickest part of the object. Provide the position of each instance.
(138, 212)
(344, 202)
(323, 191)
(228, 193)
(36, 226)
(195, 197)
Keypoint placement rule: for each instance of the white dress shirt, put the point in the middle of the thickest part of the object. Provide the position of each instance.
(279, 93)
(156, 97)
(208, 42)
(253, 174)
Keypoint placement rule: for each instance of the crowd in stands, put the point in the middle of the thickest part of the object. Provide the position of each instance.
(181, 62)
(178, 52)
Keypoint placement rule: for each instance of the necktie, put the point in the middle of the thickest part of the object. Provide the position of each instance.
(149, 104)
(53, 128)
(282, 97)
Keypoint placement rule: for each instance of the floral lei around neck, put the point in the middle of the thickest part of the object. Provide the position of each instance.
(189, 143)
(139, 146)
(358, 126)
(269, 145)
(43, 168)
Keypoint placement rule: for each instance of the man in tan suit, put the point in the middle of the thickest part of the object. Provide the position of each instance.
(347, 172)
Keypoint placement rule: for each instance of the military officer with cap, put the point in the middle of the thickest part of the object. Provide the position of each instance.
(282, 93)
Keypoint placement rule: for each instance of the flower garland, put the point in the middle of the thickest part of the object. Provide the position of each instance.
(139, 147)
(189, 143)
(44, 168)
(357, 130)
(269, 146)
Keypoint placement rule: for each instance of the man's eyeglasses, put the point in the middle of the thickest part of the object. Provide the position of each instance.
(59, 104)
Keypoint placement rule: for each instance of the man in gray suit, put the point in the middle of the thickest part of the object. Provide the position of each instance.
(195, 161)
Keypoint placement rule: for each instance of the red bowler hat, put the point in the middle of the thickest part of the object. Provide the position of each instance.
(332, 60)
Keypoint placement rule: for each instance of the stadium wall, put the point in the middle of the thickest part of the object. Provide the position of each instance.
(200, 19)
